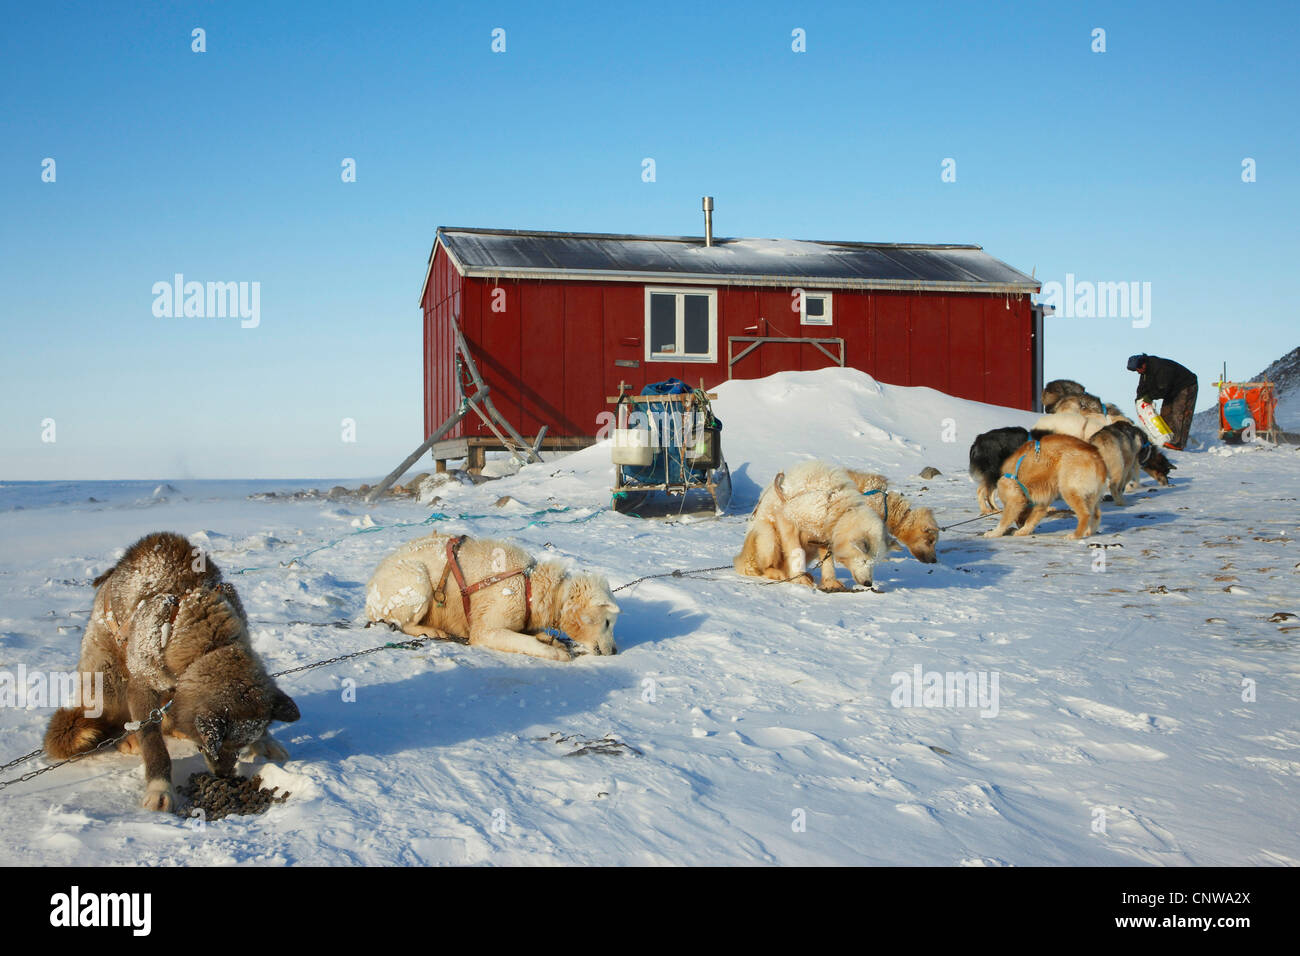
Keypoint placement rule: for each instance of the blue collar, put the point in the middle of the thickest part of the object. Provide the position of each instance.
(880, 491)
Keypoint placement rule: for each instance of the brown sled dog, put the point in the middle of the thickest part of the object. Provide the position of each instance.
(164, 628)
(1039, 472)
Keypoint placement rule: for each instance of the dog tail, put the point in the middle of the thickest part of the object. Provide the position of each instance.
(71, 732)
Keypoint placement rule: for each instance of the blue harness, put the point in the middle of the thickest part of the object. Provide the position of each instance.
(878, 491)
(1015, 475)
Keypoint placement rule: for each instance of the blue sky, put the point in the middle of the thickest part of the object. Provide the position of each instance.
(225, 165)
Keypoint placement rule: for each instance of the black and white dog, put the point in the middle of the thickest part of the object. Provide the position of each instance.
(988, 452)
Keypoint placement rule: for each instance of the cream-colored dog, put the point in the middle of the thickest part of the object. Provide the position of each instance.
(1080, 425)
(417, 590)
(813, 508)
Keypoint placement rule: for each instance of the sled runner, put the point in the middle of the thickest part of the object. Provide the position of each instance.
(667, 441)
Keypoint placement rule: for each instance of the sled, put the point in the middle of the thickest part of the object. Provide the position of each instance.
(667, 443)
(1246, 409)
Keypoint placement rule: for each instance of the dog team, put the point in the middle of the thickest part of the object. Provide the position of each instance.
(168, 634)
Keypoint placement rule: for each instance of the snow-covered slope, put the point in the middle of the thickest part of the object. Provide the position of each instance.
(757, 723)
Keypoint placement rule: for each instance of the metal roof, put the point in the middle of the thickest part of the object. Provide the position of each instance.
(519, 254)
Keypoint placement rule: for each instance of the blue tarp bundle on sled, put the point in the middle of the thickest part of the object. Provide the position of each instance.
(673, 438)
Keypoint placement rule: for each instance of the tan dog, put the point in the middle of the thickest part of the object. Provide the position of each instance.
(164, 628)
(916, 528)
(813, 511)
(1080, 404)
(1120, 444)
(1059, 466)
(416, 589)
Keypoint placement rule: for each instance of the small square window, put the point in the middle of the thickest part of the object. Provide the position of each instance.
(816, 309)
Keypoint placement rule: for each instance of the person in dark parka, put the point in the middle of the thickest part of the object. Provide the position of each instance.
(1174, 386)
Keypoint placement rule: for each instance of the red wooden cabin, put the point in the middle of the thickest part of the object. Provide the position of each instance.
(556, 320)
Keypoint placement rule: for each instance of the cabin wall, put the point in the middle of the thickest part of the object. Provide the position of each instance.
(442, 300)
(550, 350)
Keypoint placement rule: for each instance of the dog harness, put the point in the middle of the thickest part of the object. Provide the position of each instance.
(776, 486)
(885, 499)
(1014, 475)
(452, 565)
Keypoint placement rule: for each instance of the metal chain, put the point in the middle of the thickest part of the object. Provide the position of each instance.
(678, 573)
(991, 514)
(23, 759)
(412, 645)
(155, 717)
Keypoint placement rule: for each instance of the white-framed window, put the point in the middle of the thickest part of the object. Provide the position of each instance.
(815, 308)
(681, 325)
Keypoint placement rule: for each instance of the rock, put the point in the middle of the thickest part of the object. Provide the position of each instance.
(502, 501)
(338, 491)
(426, 490)
(928, 472)
(363, 489)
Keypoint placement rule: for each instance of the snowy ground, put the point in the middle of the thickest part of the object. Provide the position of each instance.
(745, 708)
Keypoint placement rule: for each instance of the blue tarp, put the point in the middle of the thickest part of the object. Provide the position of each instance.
(669, 433)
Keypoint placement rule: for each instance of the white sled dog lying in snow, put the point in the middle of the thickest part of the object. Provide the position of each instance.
(812, 507)
(492, 594)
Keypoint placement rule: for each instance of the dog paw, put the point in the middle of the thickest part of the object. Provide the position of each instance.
(1021, 532)
(158, 797)
(555, 652)
(833, 585)
(274, 751)
(994, 533)
(129, 744)
(804, 579)
(266, 746)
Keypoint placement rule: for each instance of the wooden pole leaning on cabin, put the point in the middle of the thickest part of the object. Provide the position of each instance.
(466, 405)
(463, 347)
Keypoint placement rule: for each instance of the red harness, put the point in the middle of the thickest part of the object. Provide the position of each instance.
(452, 564)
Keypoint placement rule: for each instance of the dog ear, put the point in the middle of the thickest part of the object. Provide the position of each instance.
(283, 708)
(103, 577)
(211, 730)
